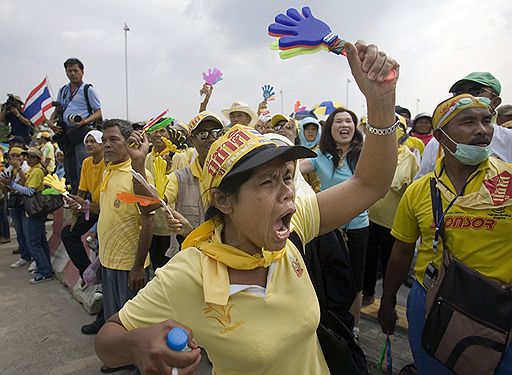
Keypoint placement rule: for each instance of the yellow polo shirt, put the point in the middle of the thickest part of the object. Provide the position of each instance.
(90, 178)
(271, 334)
(119, 222)
(35, 178)
(480, 238)
(49, 153)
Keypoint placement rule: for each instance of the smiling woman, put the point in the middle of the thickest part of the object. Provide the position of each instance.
(239, 281)
(340, 146)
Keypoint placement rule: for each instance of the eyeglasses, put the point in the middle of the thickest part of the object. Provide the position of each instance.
(204, 134)
(282, 125)
(463, 102)
(475, 91)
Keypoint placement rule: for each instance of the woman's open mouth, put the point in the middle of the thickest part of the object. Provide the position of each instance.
(281, 226)
(344, 132)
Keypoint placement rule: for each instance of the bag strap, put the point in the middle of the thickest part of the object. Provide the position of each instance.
(437, 213)
(86, 95)
(320, 293)
(294, 237)
(437, 208)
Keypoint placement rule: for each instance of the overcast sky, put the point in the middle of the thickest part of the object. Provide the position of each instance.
(172, 41)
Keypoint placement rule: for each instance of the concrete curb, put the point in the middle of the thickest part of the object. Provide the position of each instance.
(64, 269)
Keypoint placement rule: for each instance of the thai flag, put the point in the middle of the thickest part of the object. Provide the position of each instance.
(38, 102)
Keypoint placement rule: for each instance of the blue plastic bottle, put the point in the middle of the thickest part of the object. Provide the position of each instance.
(177, 340)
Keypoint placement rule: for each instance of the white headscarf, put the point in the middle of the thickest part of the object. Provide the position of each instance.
(96, 134)
(301, 186)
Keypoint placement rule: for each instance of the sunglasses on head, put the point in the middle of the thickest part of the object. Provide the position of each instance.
(204, 134)
(464, 102)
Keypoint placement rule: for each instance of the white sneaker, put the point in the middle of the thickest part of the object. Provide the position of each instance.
(19, 263)
(32, 267)
(98, 294)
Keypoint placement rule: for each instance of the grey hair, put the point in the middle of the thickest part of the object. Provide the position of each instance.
(125, 127)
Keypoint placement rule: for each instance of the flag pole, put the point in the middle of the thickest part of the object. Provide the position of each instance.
(49, 87)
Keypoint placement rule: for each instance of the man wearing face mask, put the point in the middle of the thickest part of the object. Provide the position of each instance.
(480, 84)
(474, 187)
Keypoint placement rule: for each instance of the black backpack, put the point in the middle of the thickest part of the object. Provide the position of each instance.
(328, 263)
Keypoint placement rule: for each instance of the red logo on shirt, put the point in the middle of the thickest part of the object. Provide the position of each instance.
(296, 266)
(500, 188)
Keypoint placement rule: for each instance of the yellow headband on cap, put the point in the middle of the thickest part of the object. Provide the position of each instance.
(451, 107)
(226, 151)
(16, 150)
(200, 117)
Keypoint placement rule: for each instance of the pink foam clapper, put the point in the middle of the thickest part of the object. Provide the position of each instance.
(214, 75)
(302, 31)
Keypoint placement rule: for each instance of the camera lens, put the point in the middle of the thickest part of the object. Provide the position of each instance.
(74, 118)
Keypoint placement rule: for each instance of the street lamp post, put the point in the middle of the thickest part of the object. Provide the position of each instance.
(282, 104)
(417, 106)
(346, 104)
(126, 29)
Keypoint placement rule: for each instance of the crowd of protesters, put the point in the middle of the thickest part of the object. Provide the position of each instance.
(220, 259)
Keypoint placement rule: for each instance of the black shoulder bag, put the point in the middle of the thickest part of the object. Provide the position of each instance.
(328, 265)
(39, 205)
(468, 316)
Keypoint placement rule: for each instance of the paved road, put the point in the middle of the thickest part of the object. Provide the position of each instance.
(40, 329)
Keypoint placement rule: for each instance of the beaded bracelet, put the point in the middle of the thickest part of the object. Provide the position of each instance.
(382, 131)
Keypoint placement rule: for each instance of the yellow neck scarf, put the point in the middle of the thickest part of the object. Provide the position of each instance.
(125, 166)
(220, 256)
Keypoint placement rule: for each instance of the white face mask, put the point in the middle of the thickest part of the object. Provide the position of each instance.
(469, 154)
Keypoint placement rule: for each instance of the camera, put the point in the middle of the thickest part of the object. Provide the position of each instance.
(431, 274)
(11, 102)
(74, 118)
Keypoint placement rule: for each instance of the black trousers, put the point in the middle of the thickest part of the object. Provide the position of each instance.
(357, 242)
(159, 246)
(380, 243)
(71, 238)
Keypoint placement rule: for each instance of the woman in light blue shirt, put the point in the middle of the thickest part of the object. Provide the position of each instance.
(340, 145)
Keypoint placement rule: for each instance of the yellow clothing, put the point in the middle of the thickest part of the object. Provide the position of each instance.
(171, 193)
(179, 161)
(480, 238)
(414, 144)
(384, 210)
(159, 222)
(313, 180)
(48, 154)
(90, 178)
(35, 178)
(119, 222)
(189, 154)
(182, 160)
(251, 334)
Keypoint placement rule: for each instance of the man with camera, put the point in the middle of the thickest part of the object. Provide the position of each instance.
(11, 114)
(77, 111)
